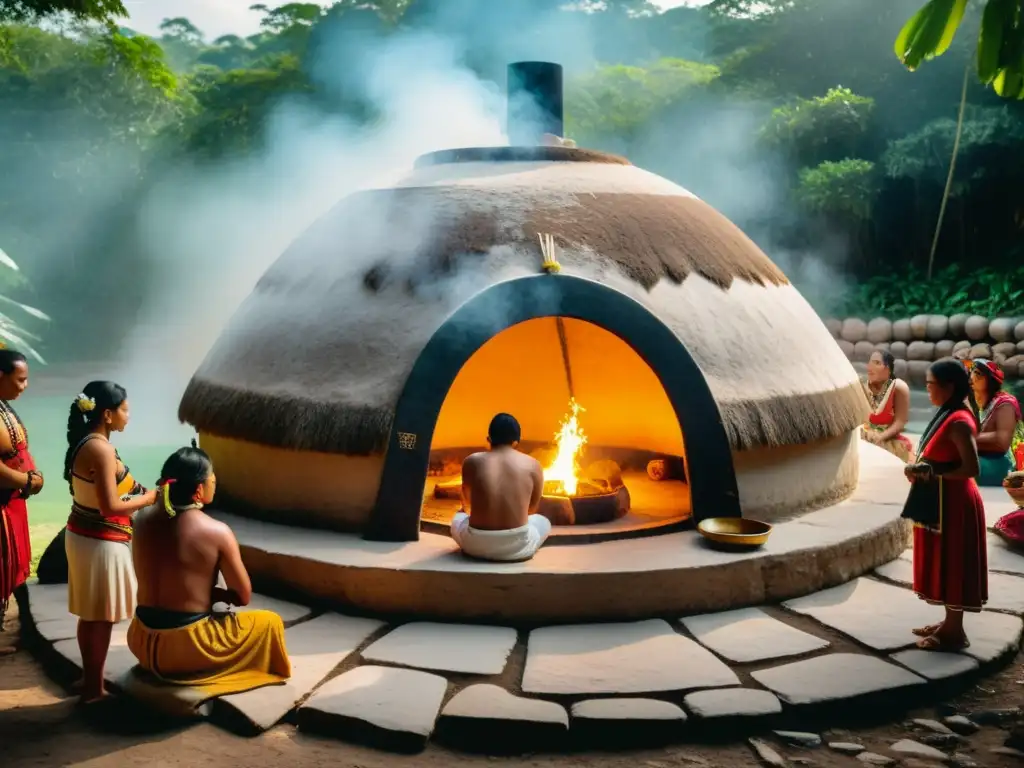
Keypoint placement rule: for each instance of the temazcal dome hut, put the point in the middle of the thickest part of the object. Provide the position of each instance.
(407, 316)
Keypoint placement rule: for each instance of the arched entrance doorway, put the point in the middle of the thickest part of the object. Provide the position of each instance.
(396, 514)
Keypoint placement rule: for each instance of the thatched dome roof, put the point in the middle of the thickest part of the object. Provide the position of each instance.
(316, 357)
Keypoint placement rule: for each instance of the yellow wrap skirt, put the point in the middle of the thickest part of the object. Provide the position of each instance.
(220, 654)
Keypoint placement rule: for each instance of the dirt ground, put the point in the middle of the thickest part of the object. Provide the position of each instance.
(40, 726)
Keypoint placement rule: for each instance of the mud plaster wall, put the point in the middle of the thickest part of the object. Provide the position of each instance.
(776, 484)
(626, 408)
(303, 487)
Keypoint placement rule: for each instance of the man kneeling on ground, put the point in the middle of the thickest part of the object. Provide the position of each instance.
(501, 490)
(177, 552)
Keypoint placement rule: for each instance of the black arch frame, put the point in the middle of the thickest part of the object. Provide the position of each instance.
(396, 513)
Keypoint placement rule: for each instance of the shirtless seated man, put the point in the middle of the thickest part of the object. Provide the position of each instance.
(501, 490)
(178, 551)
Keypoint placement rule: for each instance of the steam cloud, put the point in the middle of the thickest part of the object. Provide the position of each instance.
(212, 232)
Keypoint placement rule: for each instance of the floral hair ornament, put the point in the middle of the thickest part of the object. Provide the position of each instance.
(165, 492)
(84, 402)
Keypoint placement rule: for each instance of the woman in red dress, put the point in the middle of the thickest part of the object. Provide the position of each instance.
(889, 399)
(18, 480)
(950, 553)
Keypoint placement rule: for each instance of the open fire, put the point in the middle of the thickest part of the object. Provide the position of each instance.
(562, 475)
(570, 496)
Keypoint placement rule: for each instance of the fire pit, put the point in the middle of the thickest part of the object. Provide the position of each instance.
(571, 497)
(591, 504)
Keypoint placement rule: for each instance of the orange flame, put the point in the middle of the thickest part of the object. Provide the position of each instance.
(564, 469)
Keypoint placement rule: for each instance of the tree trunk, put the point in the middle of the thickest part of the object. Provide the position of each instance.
(952, 168)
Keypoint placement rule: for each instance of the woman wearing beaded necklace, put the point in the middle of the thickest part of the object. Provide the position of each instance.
(105, 497)
(18, 480)
(999, 416)
(889, 399)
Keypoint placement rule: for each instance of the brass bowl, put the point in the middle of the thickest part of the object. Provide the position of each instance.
(738, 532)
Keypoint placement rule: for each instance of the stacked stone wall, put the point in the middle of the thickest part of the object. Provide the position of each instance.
(918, 341)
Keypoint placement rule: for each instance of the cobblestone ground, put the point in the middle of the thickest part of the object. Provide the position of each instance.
(40, 726)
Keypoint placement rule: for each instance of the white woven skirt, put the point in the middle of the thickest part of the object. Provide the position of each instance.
(101, 578)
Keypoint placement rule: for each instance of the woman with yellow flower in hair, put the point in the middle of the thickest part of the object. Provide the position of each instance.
(105, 497)
(178, 553)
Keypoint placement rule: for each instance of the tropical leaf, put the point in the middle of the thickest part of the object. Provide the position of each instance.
(929, 32)
(7, 261)
(996, 21)
(26, 308)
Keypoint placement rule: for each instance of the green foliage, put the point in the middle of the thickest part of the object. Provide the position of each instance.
(822, 126)
(955, 289)
(621, 99)
(989, 146)
(283, 17)
(234, 105)
(91, 116)
(845, 189)
(1000, 46)
(86, 10)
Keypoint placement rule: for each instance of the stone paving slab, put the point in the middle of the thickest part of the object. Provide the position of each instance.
(315, 649)
(833, 677)
(732, 702)
(54, 630)
(1003, 559)
(628, 710)
(881, 616)
(176, 701)
(636, 657)
(936, 666)
(750, 635)
(997, 503)
(388, 706)
(992, 635)
(119, 659)
(48, 602)
(487, 718)
(626, 722)
(1005, 592)
(464, 648)
(876, 614)
(491, 702)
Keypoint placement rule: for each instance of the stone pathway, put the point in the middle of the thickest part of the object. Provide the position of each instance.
(400, 686)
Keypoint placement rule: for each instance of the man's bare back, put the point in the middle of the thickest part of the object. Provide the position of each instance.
(501, 488)
(177, 560)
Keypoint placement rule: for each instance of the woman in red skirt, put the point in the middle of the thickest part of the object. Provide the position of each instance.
(950, 552)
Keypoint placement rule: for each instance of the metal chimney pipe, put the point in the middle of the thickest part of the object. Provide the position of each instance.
(534, 102)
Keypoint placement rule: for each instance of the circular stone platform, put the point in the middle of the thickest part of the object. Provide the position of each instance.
(505, 688)
(659, 576)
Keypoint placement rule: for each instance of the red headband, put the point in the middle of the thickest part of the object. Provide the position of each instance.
(991, 368)
(996, 371)
(166, 481)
